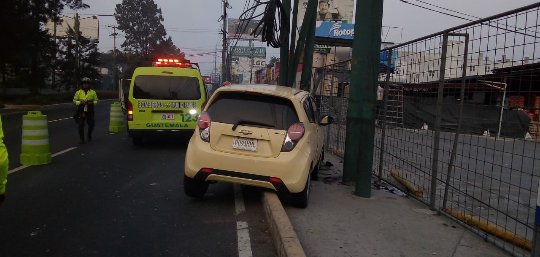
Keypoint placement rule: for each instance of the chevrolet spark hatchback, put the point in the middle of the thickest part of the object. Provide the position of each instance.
(264, 136)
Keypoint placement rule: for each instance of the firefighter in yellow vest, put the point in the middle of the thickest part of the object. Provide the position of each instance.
(3, 165)
(85, 99)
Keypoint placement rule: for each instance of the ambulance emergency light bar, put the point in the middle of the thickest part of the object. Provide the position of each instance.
(171, 62)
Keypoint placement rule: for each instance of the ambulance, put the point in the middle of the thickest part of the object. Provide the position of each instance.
(166, 98)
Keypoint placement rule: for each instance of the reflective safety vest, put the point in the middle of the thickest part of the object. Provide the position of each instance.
(80, 95)
(3, 161)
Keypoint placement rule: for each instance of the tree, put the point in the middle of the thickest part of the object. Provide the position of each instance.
(25, 58)
(78, 61)
(141, 22)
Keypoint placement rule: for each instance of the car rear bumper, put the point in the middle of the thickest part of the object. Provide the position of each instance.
(159, 132)
(289, 171)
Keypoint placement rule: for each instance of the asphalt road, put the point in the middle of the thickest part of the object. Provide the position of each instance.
(109, 198)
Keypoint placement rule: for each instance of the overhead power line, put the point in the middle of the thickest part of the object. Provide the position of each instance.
(447, 9)
(437, 11)
(497, 25)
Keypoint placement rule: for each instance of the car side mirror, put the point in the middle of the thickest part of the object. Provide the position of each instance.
(326, 120)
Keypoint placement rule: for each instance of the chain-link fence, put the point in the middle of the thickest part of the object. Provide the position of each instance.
(458, 122)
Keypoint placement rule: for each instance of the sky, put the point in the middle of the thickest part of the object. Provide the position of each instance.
(194, 27)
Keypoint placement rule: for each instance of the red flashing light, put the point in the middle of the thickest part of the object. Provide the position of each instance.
(166, 62)
(129, 111)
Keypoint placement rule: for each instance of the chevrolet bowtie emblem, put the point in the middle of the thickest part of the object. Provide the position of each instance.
(246, 132)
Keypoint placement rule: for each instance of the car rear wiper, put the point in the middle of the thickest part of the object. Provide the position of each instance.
(248, 122)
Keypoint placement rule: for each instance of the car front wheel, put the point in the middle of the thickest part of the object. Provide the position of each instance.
(194, 188)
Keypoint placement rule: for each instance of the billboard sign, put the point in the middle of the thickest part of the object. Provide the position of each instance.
(241, 29)
(329, 10)
(89, 27)
(335, 30)
(246, 51)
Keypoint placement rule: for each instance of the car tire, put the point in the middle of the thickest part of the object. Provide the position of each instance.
(194, 188)
(315, 173)
(300, 200)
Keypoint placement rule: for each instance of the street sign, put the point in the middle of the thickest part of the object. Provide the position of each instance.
(246, 51)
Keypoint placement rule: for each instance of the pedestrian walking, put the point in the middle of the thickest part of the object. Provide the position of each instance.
(4, 164)
(85, 99)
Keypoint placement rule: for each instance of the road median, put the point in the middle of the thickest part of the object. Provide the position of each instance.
(285, 239)
(14, 109)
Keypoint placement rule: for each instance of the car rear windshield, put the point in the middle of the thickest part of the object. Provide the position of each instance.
(166, 88)
(253, 109)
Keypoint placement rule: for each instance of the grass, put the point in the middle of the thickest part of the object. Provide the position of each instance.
(50, 99)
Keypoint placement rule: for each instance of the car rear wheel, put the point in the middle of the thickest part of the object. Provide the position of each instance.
(300, 200)
(315, 173)
(194, 188)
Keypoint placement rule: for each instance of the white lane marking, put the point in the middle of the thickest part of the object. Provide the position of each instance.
(63, 151)
(59, 119)
(239, 205)
(242, 228)
(244, 242)
(17, 169)
(52, 155)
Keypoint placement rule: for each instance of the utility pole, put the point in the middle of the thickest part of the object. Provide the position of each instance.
(303, 41)
(359, 142)
(251, 60)
(53, 75)
(284, 50)
(77, 49)
(307, 63)
(115, 70)
(224, 73)
(215, 65)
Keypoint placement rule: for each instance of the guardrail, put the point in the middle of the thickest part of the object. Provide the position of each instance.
(457, 121)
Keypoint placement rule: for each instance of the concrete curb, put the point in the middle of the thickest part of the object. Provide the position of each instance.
(285, 239)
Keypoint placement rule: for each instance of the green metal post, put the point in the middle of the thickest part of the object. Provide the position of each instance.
(307, 64)
(284, 50)
(361, 110)
(294, 27)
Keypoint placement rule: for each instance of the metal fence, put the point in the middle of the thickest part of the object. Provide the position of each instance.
(457, 122)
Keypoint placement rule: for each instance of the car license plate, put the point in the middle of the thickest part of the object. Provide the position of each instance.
(167, 116)
(246, 144)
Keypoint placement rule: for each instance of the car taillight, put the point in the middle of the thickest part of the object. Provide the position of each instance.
(294, 134)
(129, 111)
(204, 123)
(207, 170)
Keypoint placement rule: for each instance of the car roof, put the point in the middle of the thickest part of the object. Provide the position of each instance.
(280, 91)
